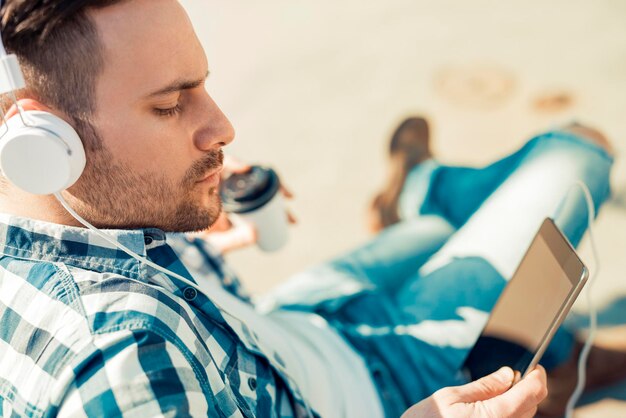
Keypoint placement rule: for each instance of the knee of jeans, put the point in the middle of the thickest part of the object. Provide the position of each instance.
(569, 141)
(573, 156)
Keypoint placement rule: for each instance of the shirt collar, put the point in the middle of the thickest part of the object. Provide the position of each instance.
(80, 247)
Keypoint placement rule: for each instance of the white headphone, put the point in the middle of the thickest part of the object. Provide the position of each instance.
(40, 153)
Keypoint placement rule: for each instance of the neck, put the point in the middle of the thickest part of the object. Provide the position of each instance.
(43, 208)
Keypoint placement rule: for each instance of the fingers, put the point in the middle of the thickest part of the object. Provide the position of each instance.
(491, 396)
(288, 195)
(487, 387)
(241, 234)
(521, 398)
(286, 192)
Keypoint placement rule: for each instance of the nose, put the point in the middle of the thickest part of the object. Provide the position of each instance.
(216, 130)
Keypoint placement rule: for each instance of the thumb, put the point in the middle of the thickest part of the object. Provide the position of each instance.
(487, 387)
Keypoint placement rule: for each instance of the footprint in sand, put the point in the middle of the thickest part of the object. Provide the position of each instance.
(481, 86)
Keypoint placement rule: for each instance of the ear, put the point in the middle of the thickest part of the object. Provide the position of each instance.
(27, 104)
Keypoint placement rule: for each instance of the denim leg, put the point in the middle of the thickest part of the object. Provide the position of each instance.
(455, 192)
(423, 335)
(404, 368)
(411, 359)
(383, 265)
(542, 185)
(458, 286)
(385, 262)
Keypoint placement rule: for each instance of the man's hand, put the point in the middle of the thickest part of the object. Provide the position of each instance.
(229, 234)
(489, 397)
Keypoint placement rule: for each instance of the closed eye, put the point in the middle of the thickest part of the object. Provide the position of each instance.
(170, 111)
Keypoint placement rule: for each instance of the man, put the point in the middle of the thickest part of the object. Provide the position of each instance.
(89, 331)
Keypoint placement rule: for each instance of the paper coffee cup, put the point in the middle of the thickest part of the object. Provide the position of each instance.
(255, 197)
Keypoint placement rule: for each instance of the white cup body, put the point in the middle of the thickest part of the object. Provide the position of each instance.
(271, 224)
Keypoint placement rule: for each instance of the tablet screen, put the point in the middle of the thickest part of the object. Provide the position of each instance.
(528, 307)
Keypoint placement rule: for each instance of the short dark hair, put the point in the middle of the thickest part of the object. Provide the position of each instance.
(61, 55)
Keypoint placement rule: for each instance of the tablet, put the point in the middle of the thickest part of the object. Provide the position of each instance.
(532, 306)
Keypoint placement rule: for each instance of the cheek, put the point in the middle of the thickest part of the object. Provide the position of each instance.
(147, 149)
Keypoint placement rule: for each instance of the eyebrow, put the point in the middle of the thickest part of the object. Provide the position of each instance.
(179, 85)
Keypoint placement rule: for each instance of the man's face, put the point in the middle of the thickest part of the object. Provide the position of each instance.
(162, 133)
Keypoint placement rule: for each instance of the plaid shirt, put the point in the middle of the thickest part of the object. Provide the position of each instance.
(86, 330)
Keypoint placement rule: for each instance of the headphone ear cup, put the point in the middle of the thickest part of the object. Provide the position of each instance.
(43, 157)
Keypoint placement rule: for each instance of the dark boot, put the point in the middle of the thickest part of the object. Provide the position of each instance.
(409, 146)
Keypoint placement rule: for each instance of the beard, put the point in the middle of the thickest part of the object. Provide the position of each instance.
(112, 195)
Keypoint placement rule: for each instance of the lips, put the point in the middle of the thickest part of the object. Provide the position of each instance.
(212, 177)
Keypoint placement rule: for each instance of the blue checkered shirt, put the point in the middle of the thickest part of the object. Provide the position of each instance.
(86, 330)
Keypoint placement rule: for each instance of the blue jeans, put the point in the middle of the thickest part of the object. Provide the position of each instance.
(414, 300)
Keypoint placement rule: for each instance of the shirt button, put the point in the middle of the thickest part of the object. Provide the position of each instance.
(252, 383)
(148, 239)
(190, 294)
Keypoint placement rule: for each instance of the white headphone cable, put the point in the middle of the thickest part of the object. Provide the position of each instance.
(122, 247)
(593, 314)
(134, 255)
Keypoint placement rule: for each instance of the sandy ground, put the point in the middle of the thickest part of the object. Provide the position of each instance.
(314, 88)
